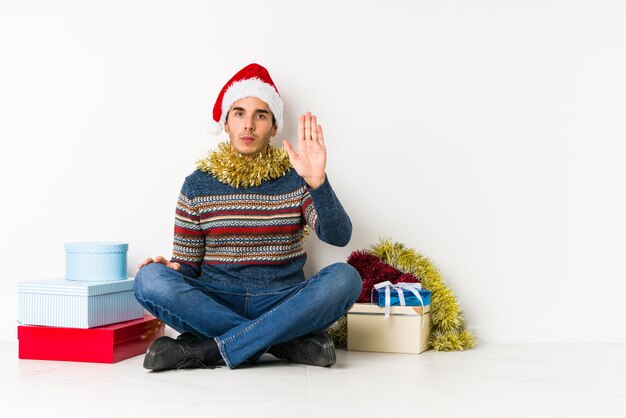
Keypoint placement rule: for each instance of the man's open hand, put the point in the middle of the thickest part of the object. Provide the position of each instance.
(310, 160)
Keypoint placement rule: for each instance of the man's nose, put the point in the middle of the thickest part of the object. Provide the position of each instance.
(249, 124)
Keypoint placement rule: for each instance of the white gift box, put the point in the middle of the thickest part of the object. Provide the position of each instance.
(98, 261)
(65, 303)
(406, 330)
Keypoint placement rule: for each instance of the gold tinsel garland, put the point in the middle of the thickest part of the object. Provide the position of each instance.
(449, 332)
(448, 329)
(238, 170)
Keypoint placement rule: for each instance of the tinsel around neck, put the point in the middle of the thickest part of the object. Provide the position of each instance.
(238, 170)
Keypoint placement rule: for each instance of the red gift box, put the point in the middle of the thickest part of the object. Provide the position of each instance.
(105, 344)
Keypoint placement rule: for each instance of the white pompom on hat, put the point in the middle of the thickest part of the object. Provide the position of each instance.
(251, 81)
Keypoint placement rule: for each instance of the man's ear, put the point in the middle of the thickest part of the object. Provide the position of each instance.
(274, 130)
(226, 129)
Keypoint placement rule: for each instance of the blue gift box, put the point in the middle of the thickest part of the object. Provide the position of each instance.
(378, 297)
(95, 261)
(58, 302)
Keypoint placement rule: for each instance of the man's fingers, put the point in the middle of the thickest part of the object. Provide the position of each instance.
(300, 130)
(309, 131)
(289, 149)
(307, 126)
(314, 128)
(320, 134)
(161, 260)
(145, 262)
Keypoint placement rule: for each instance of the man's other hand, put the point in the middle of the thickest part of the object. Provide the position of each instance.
(160, 260)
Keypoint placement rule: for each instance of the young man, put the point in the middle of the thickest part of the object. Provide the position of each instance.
(235, 287)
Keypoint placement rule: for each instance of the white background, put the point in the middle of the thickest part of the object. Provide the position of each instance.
(487, 135)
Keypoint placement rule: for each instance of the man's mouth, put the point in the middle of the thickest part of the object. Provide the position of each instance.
(247, 138)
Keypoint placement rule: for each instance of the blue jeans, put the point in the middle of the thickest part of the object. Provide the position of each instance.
(246, 322)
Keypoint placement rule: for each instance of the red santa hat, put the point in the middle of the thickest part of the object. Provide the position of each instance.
(251, 81)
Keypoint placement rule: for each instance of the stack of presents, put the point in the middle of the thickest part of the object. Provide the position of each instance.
(396, 321)
(90, 315)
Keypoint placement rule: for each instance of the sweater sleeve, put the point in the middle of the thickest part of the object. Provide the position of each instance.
(189, 244)
(325, 215)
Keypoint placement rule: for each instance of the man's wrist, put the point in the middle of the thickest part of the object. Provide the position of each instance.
(314, 183)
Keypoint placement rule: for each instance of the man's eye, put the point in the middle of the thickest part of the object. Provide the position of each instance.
(260, 116)
(239, 114)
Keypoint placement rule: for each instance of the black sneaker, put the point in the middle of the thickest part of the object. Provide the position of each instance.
(166, 353)
(315, 350)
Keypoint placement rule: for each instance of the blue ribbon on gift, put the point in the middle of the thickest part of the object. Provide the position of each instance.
(398, 297)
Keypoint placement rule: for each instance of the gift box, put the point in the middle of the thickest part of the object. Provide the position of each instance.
(409, 298)
(106, 344)
(96, 261)
(64, 303)
(405, 330)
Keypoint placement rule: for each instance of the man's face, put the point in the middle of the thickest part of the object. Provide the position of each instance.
(250, 126)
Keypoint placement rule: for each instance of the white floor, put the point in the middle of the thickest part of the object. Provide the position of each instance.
(489, 381)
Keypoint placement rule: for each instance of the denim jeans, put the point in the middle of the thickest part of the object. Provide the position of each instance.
(246, 322)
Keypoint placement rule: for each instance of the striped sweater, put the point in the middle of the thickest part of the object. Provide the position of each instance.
(253, 238)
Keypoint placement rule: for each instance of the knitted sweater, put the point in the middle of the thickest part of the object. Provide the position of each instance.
(253, 237)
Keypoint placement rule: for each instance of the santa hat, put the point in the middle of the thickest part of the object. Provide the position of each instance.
(251, 81)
